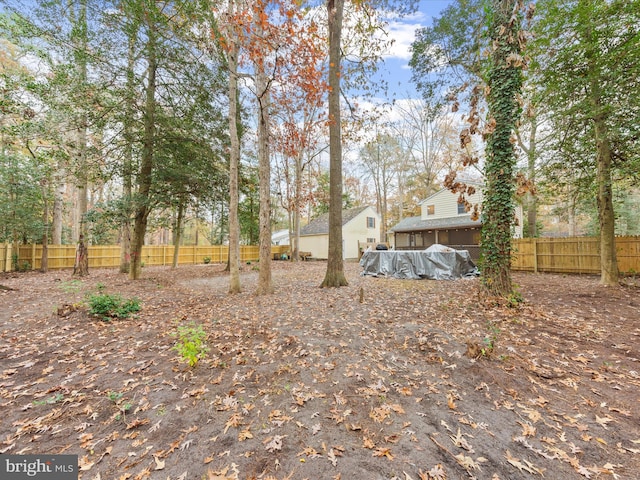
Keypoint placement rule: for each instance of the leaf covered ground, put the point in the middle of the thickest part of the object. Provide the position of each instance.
(383, 379)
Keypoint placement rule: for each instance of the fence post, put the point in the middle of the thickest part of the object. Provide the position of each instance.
(535, 255)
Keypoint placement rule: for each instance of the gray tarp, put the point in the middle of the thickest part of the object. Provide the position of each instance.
(437, 263)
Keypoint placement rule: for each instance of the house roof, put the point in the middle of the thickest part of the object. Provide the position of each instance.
(415, 224)
(320, 225)
(280, 235)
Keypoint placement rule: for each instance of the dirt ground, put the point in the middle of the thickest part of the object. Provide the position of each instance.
(375, 380)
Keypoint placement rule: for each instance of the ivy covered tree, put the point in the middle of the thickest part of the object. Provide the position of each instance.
(504, 85)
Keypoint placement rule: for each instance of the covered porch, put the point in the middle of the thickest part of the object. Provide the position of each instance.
(458, 233)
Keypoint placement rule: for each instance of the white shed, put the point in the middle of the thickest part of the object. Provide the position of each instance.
(360, 224)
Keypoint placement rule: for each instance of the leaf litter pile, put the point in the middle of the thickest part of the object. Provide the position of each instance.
(382, 379)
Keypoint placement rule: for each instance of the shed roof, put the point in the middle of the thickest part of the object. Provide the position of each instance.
(320, 225)
(416, 224)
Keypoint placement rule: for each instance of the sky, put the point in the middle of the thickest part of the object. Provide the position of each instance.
(396, 68)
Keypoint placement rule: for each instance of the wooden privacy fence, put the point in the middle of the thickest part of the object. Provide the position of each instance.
(554, 255)
(100, 256)
(572, 255)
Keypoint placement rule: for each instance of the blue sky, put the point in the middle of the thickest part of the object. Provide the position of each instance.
(396, 67)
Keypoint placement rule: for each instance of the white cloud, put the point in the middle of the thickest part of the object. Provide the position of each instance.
(403, 32)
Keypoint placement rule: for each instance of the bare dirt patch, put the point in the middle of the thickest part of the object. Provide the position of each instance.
(313, 383)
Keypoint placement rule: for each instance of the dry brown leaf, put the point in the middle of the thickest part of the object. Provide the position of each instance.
(234, 421)
(368, 443)
(137, 423)
(604, 420)
(159, 463)
(526, 466)
(309, 452)
(244, 435)
(274, 443)
(436, 473)
(383, 452)
(469, 463)
(85, 464)
(85, 439)
(332, 458)
(379, 414)
(461, 442)
(224, 473)
(528, 430)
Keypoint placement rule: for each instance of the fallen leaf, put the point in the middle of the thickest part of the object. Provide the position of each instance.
(383, 452)
(85, 464)
(244, 435)
(159, 463)
(604, 420)
(273, 444)
(461, 442)
(526, 466)
(332, 458)
(136, 423)
(224, 473)
(469, 463)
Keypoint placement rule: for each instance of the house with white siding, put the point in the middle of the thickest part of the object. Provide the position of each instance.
(360, 224)
(445, 221)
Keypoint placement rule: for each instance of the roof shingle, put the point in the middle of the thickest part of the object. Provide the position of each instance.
(320, 225)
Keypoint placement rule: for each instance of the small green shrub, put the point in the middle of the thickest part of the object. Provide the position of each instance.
(207, 260)
(190, 344)
(490, 340)
(24, 266)
(72, 286)
(114, 396)
(108, 306)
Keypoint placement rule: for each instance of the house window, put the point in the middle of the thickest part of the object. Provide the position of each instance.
(371, 240)
(431, 209)
(461, 209)
(371, 222)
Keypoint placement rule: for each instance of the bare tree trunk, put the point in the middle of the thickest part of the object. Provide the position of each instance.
(606, 216)
(177, 235)
(604, 160)
(297, 209)
(82, 185)
(234, 162)
(44, 261)
(334, 276)
(81, 265)
(265, 286)
(58, 206)
(142, 209)
(127, 173)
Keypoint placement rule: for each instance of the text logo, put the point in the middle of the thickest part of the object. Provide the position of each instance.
(39, 467)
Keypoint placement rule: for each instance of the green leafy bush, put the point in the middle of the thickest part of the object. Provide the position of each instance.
(190, 344)
(108, 306)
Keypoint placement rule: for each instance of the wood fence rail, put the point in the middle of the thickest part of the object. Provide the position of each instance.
(572, 255)
(101, 256)
(554, 255)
